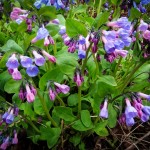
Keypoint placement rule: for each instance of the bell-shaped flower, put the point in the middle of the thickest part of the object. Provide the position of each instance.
(32, 71)
(52, 94)
(25, 61)
(130, 121)
(130, 111)
(12, 62)
(30, 96)
(50, 57)
(143, 26)
(10, 117)
(39, 59)
(146, 35)
(62, 87)
(146, 96)
(62, 30)
(78, 78)
(15, 138)
(16, 75)
(104, 110)
(5, 144)
(146, 110)
(122, 53)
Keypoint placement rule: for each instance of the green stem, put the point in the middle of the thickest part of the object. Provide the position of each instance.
(99, 7)
(86, 59)
(116, 68)
(54, 48)
(127, 80)
(79, 100)
(33, 126)
(96, 63)
(46, 109)
(60, 100)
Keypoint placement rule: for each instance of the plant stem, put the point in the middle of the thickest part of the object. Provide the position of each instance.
(127, 80)
(99, 7)
(86, 59)
(117, 65)
(54, 48)
(33, 126)
(60, 100)
(46, 109)
(79, 100)
(96, 63)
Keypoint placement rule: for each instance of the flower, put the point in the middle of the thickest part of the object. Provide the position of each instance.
(12, 62)
(144, 95)
(143, 26)
(30, 96)
(15, 139)
(10, 117)
(5, 144)
(25, 61)
(50, 57)
(104, 110)
(39, 59)
(78, 77)
(62, 88)
(16, 75)
(146, 35)
(130, 121)
(52, 94)
(32, 71)
(122, 53)
(130, 111)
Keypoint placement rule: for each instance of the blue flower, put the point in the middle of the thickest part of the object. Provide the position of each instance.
(81, 54)
(32, 71)
(25, 61)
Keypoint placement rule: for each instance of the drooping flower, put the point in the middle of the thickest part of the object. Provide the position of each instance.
(104, 110)
(29, 96)
(50, 57)
(15, 138)
(62, 88)
(10, 117)
(22, 95)
(32, 71)
(25, 61)
(78, 78)
(5, 144)
(52, 94)
(122, 53)
(146, 35)
(39, 59)
(130, 111)
(16, 75)
(130, 121)
(146, 96)
(143, 26)
(12, 62)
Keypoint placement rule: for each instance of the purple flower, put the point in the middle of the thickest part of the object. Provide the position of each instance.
(127, 41)
(50, 57)
(62, 87)
(130, 122)
(30, 96)
(4, 116)
(22, 94)
(144, 117)
(81, 40)
(5, 144)
(10, 117)
(25, 61)
(41, 34)
(81, 53)
(110, 57)
(16, 75)
(143, 26)
(78, 77)
(144, 95)
(122, 53)
(32, 71)
(119, 44)
(122, 33)
(130, 111)
(39, 59)
(146, 110)
(109, 35)
(33, 90)
(146, 35)
(62, 30)
(15, 139)
(12, 62)
(104, 111)
(52, 94)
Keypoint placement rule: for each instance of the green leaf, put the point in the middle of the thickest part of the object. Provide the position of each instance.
(38, 109)
(51, 135)
(102, 18)
(85, 118)
(79, 9)
(110, 80)
(47, 12)
(12, 86)
(53, 29)
(16, 100)
(72, 100)
(112, 116)
(61, 19)
(65, 113)
(75, 140)
(13, 46)
(54, 74)
(134, 14)
(100, 129)
(75, 28)
(78, 125)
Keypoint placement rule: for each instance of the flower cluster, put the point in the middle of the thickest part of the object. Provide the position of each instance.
(7, 140)
(8, 116)
(18, 14)
(28, 63)
(56, 88)
(27, 92)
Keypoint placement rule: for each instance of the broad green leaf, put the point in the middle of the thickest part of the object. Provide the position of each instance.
(112, 116)
(134, 14)
(79, 9)
(100, 129)
(54, 74)
(51, 135)
(61, 19)
(78, 125)
(76, 139)
(65, 113)
(48, 12)
(101, 18)
(12, 86)
(85, 118)
(53, 29)
(72, 100)
(16, 100)
(13, 46)
(75, 28)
